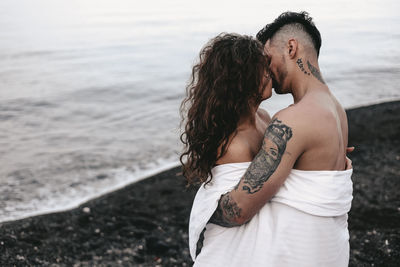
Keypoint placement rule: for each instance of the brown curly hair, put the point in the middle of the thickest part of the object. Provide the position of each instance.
(224, 85)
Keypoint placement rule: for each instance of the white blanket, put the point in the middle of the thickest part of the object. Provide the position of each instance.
(305, 223)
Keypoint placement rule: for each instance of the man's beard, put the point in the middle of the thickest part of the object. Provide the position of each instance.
(282, 73)
(276, 86)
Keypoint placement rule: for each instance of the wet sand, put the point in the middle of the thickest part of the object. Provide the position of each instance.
(145, 224)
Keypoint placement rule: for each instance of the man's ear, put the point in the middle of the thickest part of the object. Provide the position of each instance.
(292, 45)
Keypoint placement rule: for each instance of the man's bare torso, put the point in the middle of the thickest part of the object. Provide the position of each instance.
(324, 123)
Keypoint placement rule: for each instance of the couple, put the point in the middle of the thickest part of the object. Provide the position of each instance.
(275, 191)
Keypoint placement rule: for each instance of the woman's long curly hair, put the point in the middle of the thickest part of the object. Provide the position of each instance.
(225, 84)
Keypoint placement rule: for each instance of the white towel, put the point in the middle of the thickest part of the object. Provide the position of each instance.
(304, 224)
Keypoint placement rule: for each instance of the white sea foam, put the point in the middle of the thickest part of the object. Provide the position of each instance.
(119, 177)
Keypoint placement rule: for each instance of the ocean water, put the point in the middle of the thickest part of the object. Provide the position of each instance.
(90, 89)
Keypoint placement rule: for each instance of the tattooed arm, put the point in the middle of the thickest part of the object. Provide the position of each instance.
(267, 172)
(227, 210)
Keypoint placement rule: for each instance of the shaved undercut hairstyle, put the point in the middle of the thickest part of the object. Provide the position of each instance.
(287, 23)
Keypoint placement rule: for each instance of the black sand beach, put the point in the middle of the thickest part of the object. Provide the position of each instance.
(145, 224)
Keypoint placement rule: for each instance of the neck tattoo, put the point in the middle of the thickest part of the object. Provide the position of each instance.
(301, 66)
(313, 70)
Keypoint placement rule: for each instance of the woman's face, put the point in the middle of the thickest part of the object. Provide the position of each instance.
(266, 85)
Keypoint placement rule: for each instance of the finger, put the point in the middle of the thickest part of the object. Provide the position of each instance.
(350, 149)
(349, 164)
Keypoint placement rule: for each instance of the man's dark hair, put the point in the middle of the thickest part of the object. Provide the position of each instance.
(291, 18)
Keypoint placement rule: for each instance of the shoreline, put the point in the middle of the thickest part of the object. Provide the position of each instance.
(374, 103)
(145, 222)
(145, 174)
(141, 175)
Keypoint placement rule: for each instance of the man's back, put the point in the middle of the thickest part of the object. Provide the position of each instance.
(324, 123)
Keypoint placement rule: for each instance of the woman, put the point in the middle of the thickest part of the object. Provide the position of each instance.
(223, 122)
(224, 131)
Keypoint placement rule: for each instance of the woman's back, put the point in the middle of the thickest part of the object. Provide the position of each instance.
(245, 143)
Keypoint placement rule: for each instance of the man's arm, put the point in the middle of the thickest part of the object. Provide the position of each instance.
(226, 211)
(265, 175)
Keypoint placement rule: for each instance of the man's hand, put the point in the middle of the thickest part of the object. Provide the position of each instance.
(349, 164)
(348, 161)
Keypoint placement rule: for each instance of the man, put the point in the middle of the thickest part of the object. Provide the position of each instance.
(309, 135)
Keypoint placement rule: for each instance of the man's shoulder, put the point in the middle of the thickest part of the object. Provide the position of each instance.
(297, 114)
(305, 122)
(306, 111)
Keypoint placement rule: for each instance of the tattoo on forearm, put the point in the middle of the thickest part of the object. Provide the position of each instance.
(315, 72)
(226, 212)
(267, 160)
(260, 170)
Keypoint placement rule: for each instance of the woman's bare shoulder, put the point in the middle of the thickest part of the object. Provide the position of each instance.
(238, 151)
(264, 115)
